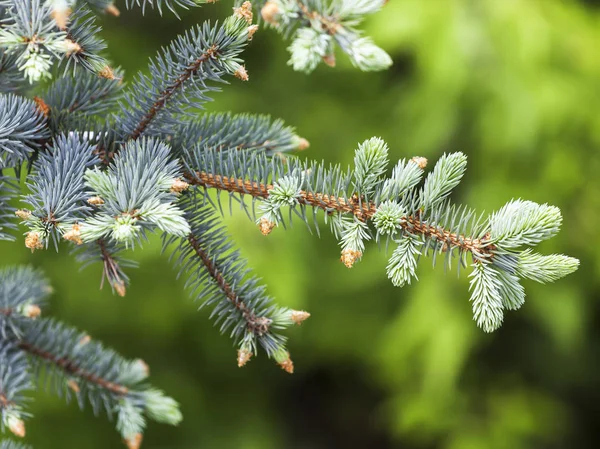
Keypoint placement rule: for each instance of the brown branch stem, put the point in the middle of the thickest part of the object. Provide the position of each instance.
(170, 90)
(361, 210)
(257, 325)
(70, 367)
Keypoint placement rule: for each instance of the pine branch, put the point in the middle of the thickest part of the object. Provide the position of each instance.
(317, 26)
(218, 276)
(22, 130)
(179, 76)
(80, 366)
(419, 219)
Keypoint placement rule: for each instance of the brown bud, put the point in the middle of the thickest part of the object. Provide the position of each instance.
(349, 256)
(95, 201)
(420, 161)
(74, 235)
(85, 340)
(266, 226)
(113, 10)
(72, 47)
(107, 72)
(61, 17)
(23, 214)
(298, 316)
(243, 357)
(119, 286)
(16, 426)
(241, 73)
(134, 442)
(179, 186)
(303, 144)
(252, 29)
(329, 59)
(32, 311)
(73, 386)
(287, 365)
(144, 366)
(244, 12)
(33, 241)
(270, 13)
(42, 106)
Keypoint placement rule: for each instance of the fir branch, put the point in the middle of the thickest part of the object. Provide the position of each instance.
(219, 276)
(9, 189)
(85, 46)
(22, 130)
(15, 382)
(179, 76)
(316, 26)
(81, 366)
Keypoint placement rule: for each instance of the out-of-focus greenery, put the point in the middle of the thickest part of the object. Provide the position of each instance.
(515, 84)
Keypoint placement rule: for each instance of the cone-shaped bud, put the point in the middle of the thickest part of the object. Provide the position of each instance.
(349, 256)
(74, 386)
(420, 161)
(16, 425)
(265, 226)
(270, 13)
(134, 442)
(95, 201)
(23, 214)
(243, 357)
(252, 29)
(113, 10)
(74, 235)
(298, 316)
(32, 311)
(33, 241)
(244, 12)
(179, 186)
(241, 73)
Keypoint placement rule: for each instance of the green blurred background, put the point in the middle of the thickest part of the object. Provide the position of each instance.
(515, 84)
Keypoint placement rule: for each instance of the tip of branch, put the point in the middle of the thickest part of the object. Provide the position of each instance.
(32, 311)
(349, 257)
(74, 235)
(266, 226)
(420, 161)
(241, 73)
(107, 72)
(287, 365)
(61, 17)
(298, 316)
(244, 12)
(270, 13)
(119, 286)
(252, 29)
(303, 144)
(23, 214)
(329, 59)
(113, 10)
(42, 106)
(95, 201)
(33, 241)
(16, 426)
(179, 186)
(243, 357)
(134, 442)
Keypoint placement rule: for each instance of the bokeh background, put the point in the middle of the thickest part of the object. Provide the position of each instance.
(515, 84)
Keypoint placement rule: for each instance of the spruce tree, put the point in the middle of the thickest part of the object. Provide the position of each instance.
(99, 161)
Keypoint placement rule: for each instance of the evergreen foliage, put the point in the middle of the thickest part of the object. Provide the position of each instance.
(110, 163)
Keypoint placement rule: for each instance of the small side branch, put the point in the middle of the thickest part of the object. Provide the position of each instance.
(170, 91)
(70, 367)
(256, 325)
